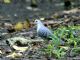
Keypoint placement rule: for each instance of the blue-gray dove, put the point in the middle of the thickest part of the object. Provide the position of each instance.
(42, 31)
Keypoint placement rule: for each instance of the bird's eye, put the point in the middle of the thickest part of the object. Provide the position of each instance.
(36, 21)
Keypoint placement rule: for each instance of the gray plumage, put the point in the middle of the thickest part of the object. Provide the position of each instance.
(42, 31)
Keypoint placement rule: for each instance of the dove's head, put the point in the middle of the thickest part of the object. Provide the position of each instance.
(38, 23)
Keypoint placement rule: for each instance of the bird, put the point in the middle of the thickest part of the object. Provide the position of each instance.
(46, 33)
(42, 31)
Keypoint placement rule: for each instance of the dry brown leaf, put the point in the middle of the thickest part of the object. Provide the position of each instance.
(42, 18)
(0, 52)
(71, 11)
(14, 55)
(21, 49)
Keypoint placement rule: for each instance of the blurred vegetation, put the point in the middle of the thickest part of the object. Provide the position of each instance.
(71, 38)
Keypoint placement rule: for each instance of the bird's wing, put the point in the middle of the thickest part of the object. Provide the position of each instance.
(44, 32)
